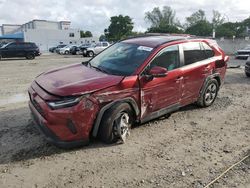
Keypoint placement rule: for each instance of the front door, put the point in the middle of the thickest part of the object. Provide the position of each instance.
(160, 94)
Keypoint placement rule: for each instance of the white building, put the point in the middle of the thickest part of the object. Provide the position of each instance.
(46, 34)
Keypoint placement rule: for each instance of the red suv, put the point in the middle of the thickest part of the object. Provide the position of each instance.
(134, 80)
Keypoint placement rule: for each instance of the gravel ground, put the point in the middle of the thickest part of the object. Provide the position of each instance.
(188, 149)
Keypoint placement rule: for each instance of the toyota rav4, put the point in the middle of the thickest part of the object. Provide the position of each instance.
(133, 81)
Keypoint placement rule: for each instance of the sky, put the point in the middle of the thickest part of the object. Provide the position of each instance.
(94, 15)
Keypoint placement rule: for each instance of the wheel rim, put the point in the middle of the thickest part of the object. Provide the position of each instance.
(91, 54)
(210, 93)
(122, 126)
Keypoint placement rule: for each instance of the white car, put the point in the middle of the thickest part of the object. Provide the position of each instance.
(66, 49)
(95, 49)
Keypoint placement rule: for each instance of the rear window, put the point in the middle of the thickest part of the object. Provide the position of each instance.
(208, 50)
(193, 52)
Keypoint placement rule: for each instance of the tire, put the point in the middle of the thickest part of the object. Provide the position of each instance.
(247, 74)
(0, 57)
(118, 117)
(209, 94)
(91, 54)
(66, 52)
(30, 56)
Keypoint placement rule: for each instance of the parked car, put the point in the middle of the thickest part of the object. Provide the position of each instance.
(53, 49)
(134, 80)
(95, 49)
(247, 67)
(75, 50)
(82, 48)
(66, 49)
(57, 50)
(243, 53)
(19, 49)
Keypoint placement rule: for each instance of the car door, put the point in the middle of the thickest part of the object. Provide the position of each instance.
(10, 50)
(98, 48)
(160, 94)
(21, 49)
(196, 67)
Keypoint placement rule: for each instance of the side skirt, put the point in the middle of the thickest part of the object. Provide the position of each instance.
(161, 112)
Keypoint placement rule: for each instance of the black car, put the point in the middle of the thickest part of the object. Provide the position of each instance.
(19, 49)
(247, 67)
(53, 49)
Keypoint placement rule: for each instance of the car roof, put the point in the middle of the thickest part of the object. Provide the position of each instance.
(155, 40)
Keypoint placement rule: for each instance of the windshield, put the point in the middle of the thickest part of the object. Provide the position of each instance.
(5, 45)
(121, 58)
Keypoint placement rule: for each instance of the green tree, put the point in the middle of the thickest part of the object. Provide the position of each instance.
(163, 21)
(102, 38)
(201, 28)
(196, 17)
(120, 27)
(197, 24)
(227, 30)
(85, 34)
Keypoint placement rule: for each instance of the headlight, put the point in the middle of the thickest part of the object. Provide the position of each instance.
(64, 103)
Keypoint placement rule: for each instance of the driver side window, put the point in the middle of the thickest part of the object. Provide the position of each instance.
(168, 58)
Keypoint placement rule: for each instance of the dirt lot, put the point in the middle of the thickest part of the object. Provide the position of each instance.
(189, 149)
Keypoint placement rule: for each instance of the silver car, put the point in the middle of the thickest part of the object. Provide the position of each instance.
(95, 49)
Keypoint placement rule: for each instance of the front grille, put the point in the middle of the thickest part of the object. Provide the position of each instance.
(243, 53)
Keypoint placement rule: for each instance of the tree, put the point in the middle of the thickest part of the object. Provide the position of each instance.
(85, 34)
(162, 21)
(227, 30)
(197, 24)
(120, 27)
(102, 38)
(201, 28)
(217, 19)
(198, 16)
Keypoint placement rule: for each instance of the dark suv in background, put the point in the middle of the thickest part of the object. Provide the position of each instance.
(19, 49)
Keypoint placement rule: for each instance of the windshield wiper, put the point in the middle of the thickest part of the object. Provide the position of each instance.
(97, 68)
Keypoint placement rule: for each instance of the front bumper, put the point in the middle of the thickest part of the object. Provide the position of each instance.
(49, 135)
(66, 127)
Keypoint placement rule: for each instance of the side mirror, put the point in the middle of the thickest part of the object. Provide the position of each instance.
(158, 72)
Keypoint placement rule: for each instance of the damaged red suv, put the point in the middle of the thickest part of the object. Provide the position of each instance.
(134, 80)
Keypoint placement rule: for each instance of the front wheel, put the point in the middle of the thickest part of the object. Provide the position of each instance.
(209, 94)
(30, 56)
(66, 52)
(116, 123)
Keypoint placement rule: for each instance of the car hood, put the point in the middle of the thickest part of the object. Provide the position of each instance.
(75, 79)
(243, 50)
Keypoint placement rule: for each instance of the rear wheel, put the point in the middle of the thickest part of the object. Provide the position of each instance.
(247, 74)
(209, 94)
(116, 123)
(91, 54)
(30, 56)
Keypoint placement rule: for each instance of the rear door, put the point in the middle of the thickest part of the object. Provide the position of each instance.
(195, 69)
(161, 93)
(21, 49)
